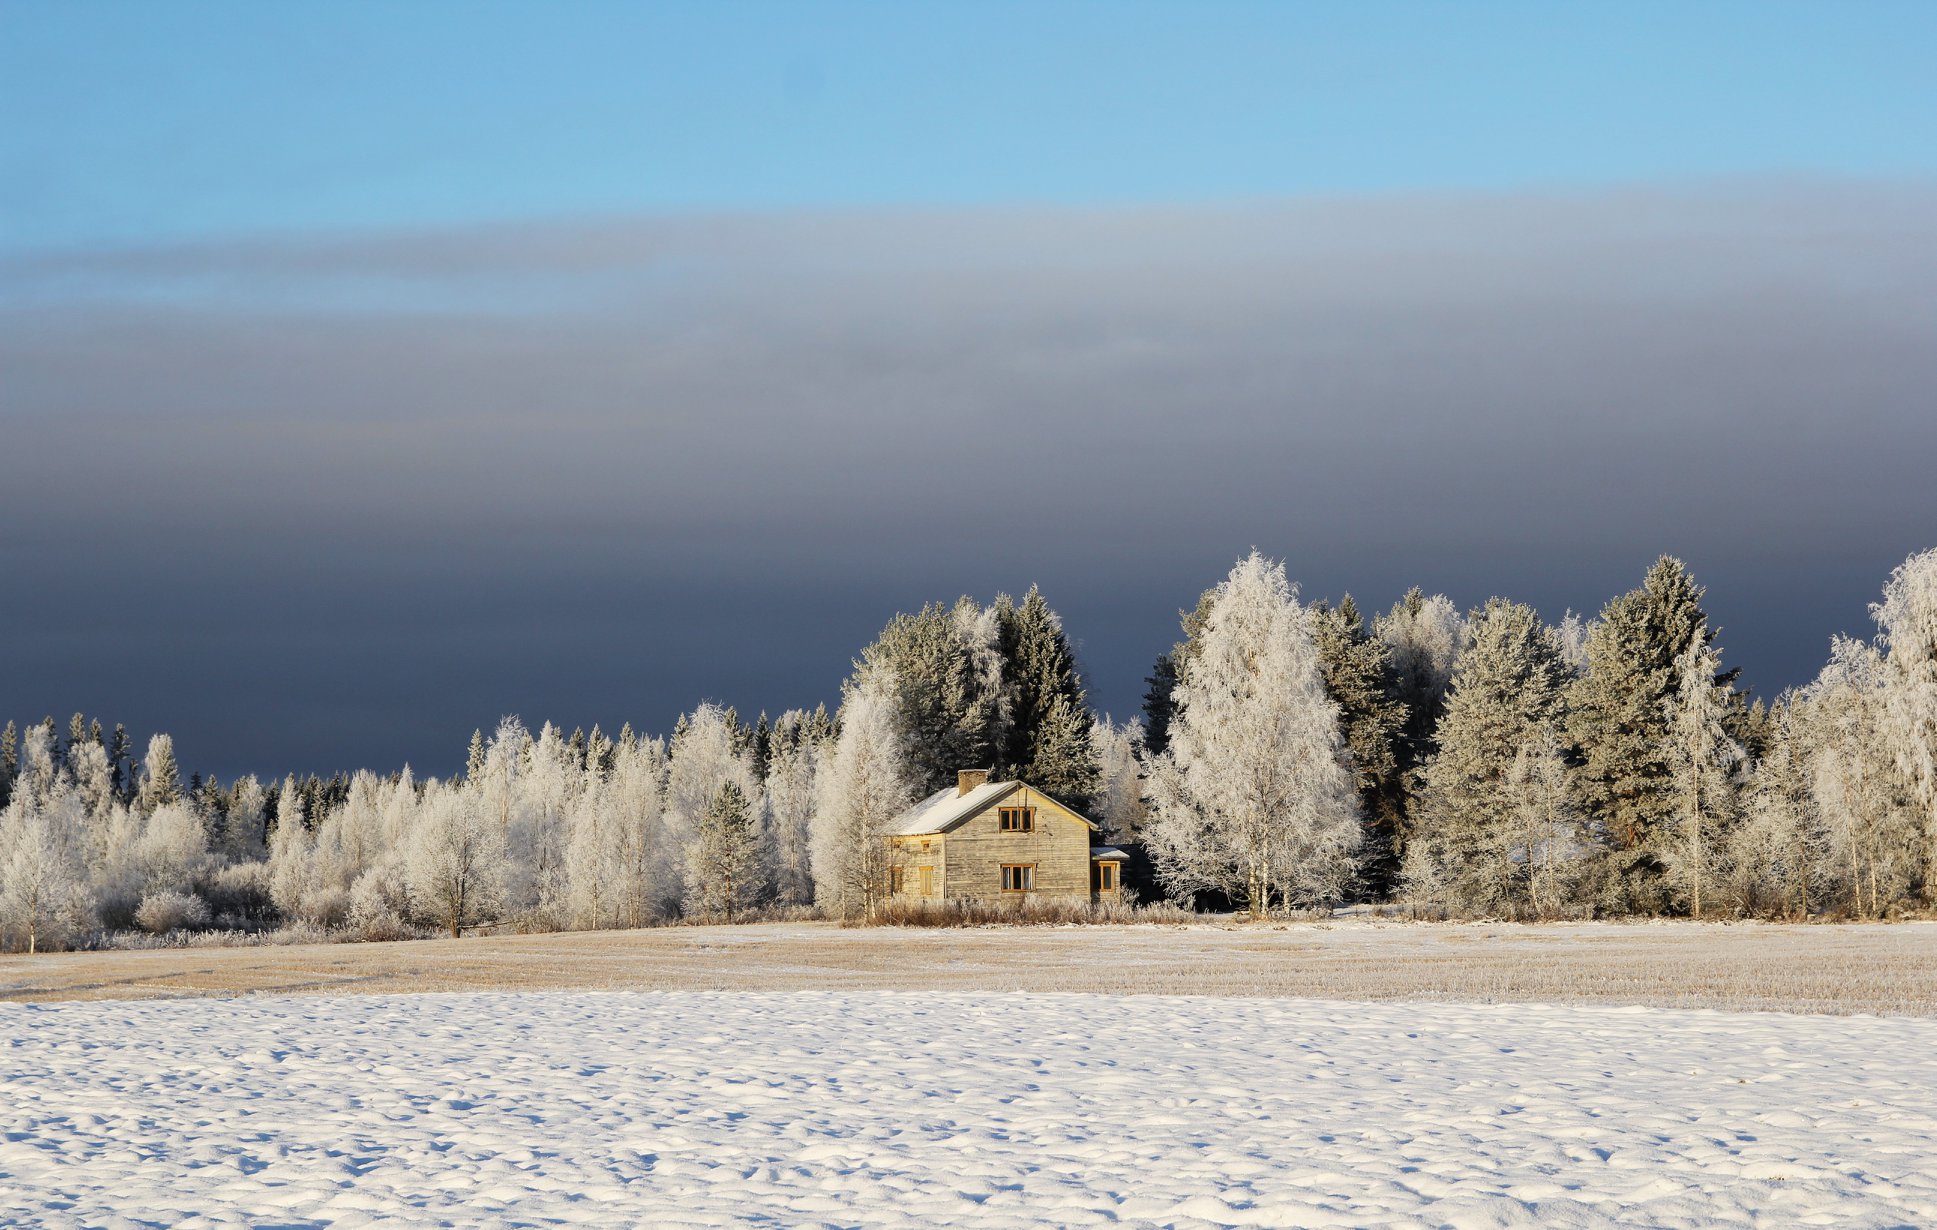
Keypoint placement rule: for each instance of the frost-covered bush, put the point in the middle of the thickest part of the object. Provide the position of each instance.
(240, 890)
(166, 911)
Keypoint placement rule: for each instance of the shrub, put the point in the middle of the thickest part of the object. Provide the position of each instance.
(160, 913)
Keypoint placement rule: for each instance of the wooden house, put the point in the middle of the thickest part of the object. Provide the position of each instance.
(987, 841)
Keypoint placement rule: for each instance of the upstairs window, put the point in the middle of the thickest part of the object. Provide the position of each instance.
(1018, 877)
(1018, 819)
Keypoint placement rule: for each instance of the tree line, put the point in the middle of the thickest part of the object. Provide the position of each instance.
(1289, 756)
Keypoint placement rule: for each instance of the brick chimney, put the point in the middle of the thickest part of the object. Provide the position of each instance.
(968, 779)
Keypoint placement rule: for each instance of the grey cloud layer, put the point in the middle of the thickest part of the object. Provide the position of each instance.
(598, 470)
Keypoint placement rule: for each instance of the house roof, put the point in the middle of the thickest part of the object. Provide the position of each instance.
(945, 809)
(1108, 854)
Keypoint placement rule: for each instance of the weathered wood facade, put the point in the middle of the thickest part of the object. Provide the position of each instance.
(985, 841)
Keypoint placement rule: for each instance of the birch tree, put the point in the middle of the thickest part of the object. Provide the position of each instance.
(1253, 797)
(866, 782)
(1907, 624)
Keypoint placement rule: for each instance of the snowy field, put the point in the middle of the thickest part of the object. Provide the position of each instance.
(874, 1108)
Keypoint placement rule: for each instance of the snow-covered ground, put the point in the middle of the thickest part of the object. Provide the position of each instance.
(878, 1108)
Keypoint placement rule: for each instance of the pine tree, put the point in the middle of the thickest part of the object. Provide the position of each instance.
(1506, 690)
(1373, 721)
(1701, 757)
(725, 856)
(1253, 797)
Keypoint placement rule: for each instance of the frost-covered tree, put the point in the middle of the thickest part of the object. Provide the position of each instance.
(1618, 719)
(1424, 638)
(722, 866)
(865, 783)
(1505, 693)
(1547, 839)
(161, 777)
(947, 668)
(1907, 628)
(1873, 835)
(1701, 758)
(290, 848)
(9, 761)
(1254, 797)
(705, 755)
(1049, 717)
(1778, 855)
(1160, 701)
(456, 863)
(1373, 720)
(45, 898)
(793, 756)
(1119, 807)
(87, 766)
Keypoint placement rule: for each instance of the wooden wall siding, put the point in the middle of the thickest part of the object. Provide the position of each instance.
(977, 849)
(911, 858)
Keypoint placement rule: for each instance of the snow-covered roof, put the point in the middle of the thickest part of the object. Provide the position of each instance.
(1108, 854)
(944, 809)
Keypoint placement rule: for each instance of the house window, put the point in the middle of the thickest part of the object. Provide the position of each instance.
(927, 881)
(1106, 877)
(1018, 819)
(894, 880)
(1018, 877)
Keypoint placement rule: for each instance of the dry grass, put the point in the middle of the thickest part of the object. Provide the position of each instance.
(1885, 969)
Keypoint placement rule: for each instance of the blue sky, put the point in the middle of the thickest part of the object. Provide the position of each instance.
(130, 122)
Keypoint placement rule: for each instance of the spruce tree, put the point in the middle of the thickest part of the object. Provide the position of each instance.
(119, 750)
(947, 700)
(1507, 690)
(1159, 704)
(9, 761)
(725, 858)
(1618, 720)
(1048, 742)
(161, 777)
(474, 757)
(1373, 722)
(1701, 757)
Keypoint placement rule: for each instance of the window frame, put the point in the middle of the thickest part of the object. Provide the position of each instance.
(1026, 822)
(1106, 879)
(925, 880)
(1024, 879)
